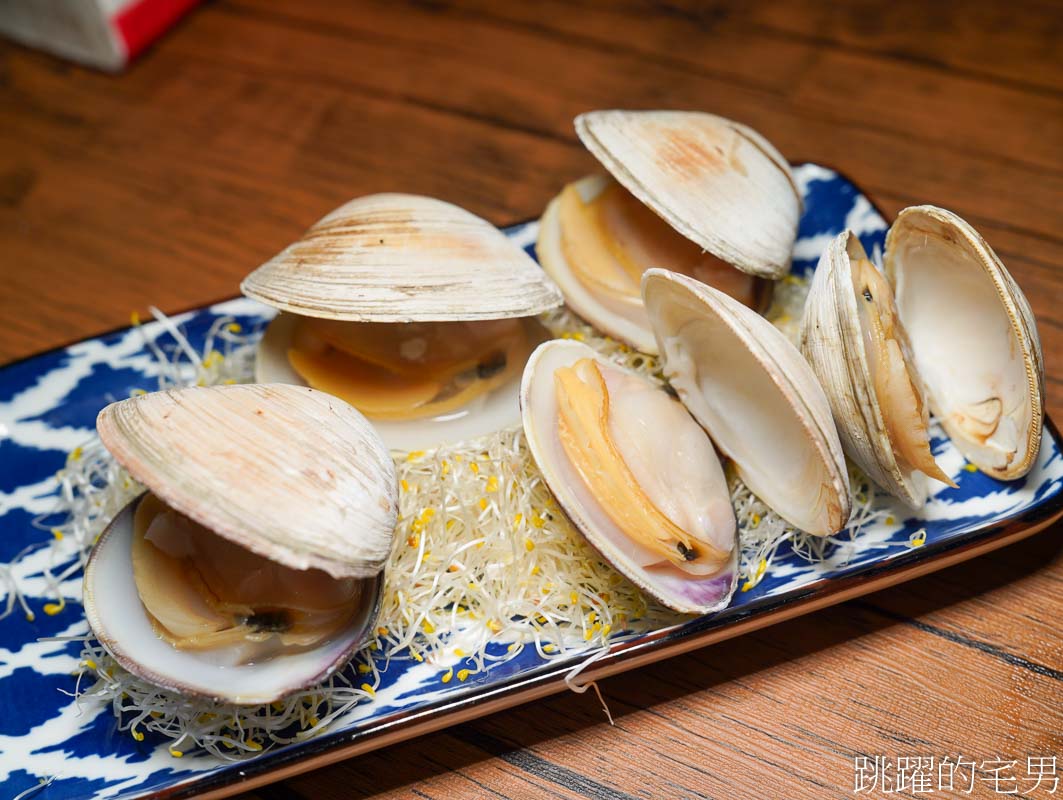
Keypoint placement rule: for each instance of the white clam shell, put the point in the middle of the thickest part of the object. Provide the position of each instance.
(121, 623)
(756, 396)
(403, 258)
(832, 341)
(972, 332)
(717, 182)
(287, 472)
(540, 416)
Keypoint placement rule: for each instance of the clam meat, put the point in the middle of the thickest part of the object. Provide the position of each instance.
(682, 193)
(416, 312)
(635, 473)
(253, 564)
(206, 594)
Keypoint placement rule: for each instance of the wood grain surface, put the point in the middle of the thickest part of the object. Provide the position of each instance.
(165, 185)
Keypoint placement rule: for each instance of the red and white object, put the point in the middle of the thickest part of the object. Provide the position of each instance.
(101, 33)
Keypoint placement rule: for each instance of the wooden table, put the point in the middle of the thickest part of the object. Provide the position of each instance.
(253, 118)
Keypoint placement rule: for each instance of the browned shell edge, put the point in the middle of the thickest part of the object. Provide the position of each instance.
(602, 155)
(131, 665)
(752, 136)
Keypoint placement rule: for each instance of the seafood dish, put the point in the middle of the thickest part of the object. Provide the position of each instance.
(628, 396)
(252, 565)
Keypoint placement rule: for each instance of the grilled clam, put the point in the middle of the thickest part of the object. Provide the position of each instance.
(417, 312)
(756, 396)
(634, 472)
(958, 339)
(253, 565)
(689, 191)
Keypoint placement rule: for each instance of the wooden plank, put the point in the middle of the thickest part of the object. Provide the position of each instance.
(515, 80)
(1001, 605)
(948, 111)
(1015, 44)
(787, 706)
(908, 96)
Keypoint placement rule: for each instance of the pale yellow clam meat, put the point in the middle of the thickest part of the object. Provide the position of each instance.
(896, 385)
(400, 371)
(204, 592)
(611, 239)
(648, 465)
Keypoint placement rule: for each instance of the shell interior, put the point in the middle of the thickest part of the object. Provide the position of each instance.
(673, 472)
(757, 397)
(973, 337)
(120, 621)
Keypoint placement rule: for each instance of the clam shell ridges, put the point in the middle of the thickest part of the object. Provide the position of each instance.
(403, 258)
(832, 341)
(717, 182)
(289, 473)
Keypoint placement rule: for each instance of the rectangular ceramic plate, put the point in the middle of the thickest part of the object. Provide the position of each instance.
(48, 406)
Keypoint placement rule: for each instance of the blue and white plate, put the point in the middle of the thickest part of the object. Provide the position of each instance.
(48, 407)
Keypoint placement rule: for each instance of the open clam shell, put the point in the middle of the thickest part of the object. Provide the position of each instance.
(267, 475)
(494, 410)
(966, 338)
(120, 621)
(687, 485)
(833, 341)
(720, 204)
(718, 182)
(287, 472)
(426, 277)
(756, 396)
(973, 336)
(403, 258)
